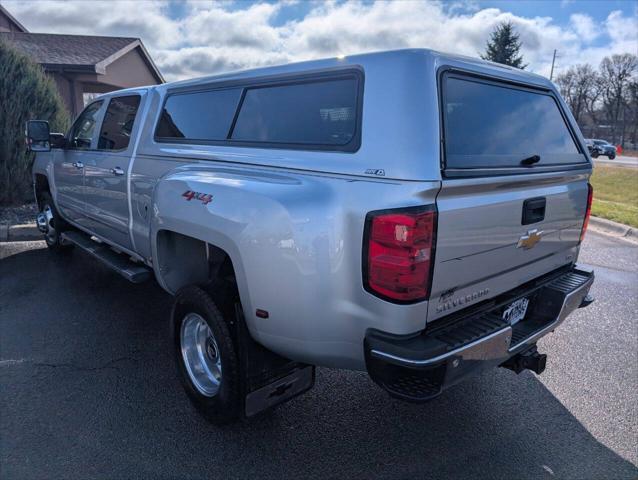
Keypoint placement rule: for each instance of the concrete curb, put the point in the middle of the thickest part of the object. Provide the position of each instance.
(19, 233)
(614, 229)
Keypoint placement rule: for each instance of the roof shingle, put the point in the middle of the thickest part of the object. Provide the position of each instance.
(80, 50)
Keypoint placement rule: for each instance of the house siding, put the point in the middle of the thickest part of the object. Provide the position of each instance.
(128, 71)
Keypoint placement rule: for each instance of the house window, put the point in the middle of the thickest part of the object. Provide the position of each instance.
(89, 97)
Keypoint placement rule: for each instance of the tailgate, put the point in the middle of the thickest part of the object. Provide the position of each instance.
(514, 191)
(483, 249)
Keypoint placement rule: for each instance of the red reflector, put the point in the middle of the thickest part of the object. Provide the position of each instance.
(400, 248)
(590, 198)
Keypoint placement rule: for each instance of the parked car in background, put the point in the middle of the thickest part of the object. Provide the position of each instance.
(600, 147)
(594, 151)
(419, 232)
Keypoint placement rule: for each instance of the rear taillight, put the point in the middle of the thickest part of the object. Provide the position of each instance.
(398, 253)
(590, 198)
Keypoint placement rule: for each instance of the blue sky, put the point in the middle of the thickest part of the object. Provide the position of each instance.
(198, 37)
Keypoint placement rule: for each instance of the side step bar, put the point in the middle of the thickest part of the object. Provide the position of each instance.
(133, 272)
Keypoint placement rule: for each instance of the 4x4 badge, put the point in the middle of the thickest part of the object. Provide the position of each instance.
(530, 239)
(205, 198)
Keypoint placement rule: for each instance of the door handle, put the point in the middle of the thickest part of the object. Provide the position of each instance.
(117, 171)
(78, 165)
(533, 210)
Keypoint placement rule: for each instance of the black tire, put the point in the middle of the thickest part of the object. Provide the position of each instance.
(56, 224)
(611, 157)
(594, 155)
(225, 405)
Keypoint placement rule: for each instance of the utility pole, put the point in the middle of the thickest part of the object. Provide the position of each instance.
(551, 74)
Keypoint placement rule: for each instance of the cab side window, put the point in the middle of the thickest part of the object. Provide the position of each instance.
(118, 123)
(82, 131)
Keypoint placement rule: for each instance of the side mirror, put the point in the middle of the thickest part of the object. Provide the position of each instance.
(57, 140)
(37, 136)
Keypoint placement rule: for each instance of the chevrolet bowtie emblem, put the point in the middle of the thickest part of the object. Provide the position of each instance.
(530, 239)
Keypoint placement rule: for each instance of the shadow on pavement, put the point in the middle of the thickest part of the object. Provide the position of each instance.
(89, 389)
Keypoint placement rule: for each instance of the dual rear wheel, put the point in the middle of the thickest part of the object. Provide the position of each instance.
(205, 354)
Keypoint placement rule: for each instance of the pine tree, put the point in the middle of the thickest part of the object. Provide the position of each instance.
(26, 93)
(504, 46)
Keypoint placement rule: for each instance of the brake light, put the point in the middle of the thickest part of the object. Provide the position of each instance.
(590, 198)
(399, 253)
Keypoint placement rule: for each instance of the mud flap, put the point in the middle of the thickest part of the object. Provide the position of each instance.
(268, 379)
(295, 383)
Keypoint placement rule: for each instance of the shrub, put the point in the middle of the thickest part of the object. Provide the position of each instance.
(26, 93)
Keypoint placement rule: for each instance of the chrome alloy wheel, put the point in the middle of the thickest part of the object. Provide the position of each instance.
(201, 354)
(45, 223)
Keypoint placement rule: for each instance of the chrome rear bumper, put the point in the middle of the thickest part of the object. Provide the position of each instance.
(420, 367)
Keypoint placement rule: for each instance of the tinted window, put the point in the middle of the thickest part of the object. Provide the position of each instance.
(82, 131)
(199, 115)
(317, 113)
(118, 123)
(493, 125)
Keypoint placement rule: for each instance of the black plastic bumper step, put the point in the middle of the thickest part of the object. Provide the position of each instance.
(133, 272)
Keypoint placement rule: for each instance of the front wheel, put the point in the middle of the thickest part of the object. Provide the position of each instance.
(612, 156)
(50, 223)
(594, 155)
(205, 356)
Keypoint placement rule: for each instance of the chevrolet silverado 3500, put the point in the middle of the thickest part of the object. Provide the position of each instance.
(413, 214)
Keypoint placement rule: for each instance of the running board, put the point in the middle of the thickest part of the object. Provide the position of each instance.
(133, 272)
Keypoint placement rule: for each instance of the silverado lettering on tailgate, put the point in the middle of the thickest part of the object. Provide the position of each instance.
(456, 302)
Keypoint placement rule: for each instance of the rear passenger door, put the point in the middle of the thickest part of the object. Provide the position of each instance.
(106, 172)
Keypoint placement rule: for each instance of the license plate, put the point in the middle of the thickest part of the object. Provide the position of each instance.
(516, 311)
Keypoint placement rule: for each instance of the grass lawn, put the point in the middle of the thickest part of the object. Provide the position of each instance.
(616, 194)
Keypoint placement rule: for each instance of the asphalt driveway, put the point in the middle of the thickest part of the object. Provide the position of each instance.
(88, 390)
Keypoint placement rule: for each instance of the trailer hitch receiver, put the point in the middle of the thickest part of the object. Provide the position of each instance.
(530, 359)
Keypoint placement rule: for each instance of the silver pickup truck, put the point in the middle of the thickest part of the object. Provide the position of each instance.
(412, 214)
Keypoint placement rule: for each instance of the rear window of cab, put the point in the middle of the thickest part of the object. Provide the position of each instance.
(490, 124)
(321, 113)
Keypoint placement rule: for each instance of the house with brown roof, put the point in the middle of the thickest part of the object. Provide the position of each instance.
(81, 65)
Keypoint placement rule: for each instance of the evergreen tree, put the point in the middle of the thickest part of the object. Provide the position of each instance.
(504, 46)
(26, 93)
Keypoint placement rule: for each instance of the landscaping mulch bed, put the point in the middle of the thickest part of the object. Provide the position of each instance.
(17, 215)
